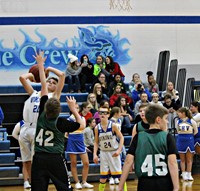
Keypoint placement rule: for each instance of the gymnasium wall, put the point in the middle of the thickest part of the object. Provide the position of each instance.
(133, 32)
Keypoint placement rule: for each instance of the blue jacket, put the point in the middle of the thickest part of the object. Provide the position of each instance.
(1, 116)
(136, 95)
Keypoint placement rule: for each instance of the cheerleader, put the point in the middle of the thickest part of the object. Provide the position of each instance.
(195, 109)
(186, 128)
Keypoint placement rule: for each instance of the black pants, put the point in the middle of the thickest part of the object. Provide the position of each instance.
(48, 166)
(155, 184)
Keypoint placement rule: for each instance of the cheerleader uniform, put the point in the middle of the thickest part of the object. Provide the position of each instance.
(196, 117)
(75, 144)
(185, 140)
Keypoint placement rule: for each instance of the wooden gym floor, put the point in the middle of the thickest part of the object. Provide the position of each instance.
(131, 184)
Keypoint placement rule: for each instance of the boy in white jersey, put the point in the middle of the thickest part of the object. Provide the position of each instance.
(106, 133)
(31, 108)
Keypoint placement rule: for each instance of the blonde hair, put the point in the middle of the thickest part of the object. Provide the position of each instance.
(95, 88)
(95, 105)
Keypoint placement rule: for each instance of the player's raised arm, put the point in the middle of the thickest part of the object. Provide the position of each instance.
(61, 80)
(24, 81)
(40, 61)
(71, 101)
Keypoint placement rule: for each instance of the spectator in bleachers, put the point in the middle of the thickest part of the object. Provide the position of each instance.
(103, 103)
(113, 68)
(117, 81)
(126, 113)
(134, 81)
(155, 99)
(101, 79)
(143, 124)
(110, 162)
(31, 106)
(88, 133)
(85, 110)
(99, 66)
(25, 169)
(174, 93)
(143, 99)
(139, 88)
(72, 74)
(117, 92)
(151, 84)
(75, 146)
(93, 102)
(195, 109)
(97, 90)
(86, 74)
(1, 116)
(172, 107)
(186, 129)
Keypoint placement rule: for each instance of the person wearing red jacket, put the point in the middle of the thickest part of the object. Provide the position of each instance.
(113, 67)
(116, 94)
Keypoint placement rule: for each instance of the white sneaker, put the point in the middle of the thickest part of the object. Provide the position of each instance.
(184, 176)
(116, 180)
(78, 185)
(27, 185)
(111, 181)
(189, 176)
(112, 187)
(87, 185)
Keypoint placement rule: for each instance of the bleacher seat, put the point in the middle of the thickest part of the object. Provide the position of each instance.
(12, 171)
(5, 146)
(10, 89)
(7, 159)
(93, 168)
(127, 140)
(80, 97)
(3, 134)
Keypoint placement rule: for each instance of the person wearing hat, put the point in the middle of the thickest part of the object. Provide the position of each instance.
(72, 74)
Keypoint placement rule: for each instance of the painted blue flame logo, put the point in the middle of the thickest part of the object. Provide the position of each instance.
(92, 41)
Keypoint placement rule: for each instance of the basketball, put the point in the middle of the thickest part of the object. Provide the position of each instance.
(35, 71)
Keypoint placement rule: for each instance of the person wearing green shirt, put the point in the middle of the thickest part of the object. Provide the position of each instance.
(99, 65)
(153, 153)
(48, 161)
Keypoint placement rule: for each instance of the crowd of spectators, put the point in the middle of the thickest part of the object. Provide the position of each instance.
(106, 81)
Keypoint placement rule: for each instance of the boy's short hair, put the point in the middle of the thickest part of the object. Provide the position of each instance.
(153, 111)
(105, 107)
(155, 94)
(167, 96)
(53, 78)
(143, 105)
(52, 108)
